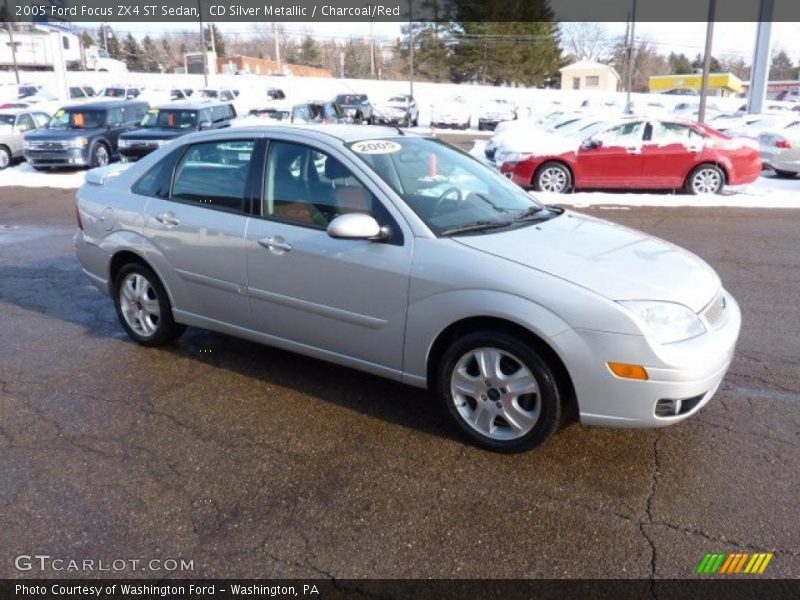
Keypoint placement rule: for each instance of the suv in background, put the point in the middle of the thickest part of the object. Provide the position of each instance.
(319, 112)
(14, 124)
(120, 92)
(164, 123)
(356, 106)
(83, 135)
(397, 110)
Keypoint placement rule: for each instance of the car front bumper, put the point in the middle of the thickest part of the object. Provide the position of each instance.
(683, 376)
(72, 157)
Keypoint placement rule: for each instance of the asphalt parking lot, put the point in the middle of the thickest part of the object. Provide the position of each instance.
(253, 462)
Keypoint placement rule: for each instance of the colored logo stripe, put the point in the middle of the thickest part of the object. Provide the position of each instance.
(736, 562)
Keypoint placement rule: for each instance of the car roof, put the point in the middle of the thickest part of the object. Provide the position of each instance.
(190, 104)
(16, 111)
(343, 133)
(103, 104)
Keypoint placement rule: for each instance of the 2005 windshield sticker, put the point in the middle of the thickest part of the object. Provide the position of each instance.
(376, 147)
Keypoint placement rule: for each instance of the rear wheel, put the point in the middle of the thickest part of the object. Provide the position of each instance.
(5, 157)
(784, 174)
(143, 306)
(705, 179)
(499, 392)
(552, 177)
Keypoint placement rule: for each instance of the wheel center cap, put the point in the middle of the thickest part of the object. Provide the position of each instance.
(493, 393)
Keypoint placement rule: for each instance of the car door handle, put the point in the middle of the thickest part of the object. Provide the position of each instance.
(275, 243)
(169, 219)
(633, 150)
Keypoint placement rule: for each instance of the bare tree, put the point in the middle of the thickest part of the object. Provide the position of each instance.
(586, 40)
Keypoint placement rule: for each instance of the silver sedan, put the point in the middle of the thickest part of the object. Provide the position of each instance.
(403, 257)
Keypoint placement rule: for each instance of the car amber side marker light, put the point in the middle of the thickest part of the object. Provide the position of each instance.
(628, 371)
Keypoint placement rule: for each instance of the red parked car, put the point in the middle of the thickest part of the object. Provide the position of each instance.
(643, 154)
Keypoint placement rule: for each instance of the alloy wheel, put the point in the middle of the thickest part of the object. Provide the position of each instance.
(139, 304)
(101, 156)
(495, 393)
(5, 158)
(707, 181)
(553, 179)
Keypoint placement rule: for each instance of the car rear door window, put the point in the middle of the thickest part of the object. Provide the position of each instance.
(214, 174)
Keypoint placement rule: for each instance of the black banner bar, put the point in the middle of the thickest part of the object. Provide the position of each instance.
(386, 10)
(729, 588)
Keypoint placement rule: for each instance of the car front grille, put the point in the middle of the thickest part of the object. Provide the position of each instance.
(46, 146)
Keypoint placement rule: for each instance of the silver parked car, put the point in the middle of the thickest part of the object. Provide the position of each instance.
(404, 257)
(14, 124)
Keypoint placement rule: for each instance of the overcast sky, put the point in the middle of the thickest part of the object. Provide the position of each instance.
(729, 38)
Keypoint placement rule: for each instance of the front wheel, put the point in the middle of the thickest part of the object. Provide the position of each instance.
(143, 306)
(706, 179)
(5, 157)
(499, 392)
(552, 177)
(100, 155)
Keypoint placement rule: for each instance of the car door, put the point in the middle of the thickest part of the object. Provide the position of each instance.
(669, 154)
(197, 231)
(347, 297)
(612, 158)
(23, 125)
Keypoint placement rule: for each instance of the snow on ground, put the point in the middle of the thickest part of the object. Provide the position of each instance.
(23, 175)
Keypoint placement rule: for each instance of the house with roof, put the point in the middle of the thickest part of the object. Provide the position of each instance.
(589, 76)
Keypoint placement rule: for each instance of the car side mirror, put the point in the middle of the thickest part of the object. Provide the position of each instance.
(203, 125)
(591, 143)
(357, 226)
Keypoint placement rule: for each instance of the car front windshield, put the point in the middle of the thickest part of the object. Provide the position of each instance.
(449, 190)
(114, 92)
(78, 119)
(170, 119)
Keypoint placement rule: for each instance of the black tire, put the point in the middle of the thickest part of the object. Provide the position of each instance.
(5, 157)
(547, 399)
(705, 179)
(415, 122)
(552, 177)
(406, 121)
(784, 174)
(101, 155)
(166, 329)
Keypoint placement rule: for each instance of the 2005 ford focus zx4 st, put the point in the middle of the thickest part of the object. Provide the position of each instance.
(402, 256)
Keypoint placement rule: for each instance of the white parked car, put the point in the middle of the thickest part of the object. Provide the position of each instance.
(496, 111)
(780, 149)
(452, 112)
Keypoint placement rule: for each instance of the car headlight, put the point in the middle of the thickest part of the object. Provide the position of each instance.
(77, 143)
(513, 156)
(666, 322)
(27, 145)
(123, 144)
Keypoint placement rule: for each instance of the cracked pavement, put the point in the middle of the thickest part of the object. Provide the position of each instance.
(254, 462)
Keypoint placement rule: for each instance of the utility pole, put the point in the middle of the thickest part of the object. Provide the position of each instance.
(203, 45)
(410, 51)
(104, 29)
(712, 6)
(761, 57)
(371, 50)
(630, 53)
(10, 26)
(213, 38)
(277, 46)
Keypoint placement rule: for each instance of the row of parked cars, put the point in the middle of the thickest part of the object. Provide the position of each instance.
(94, 134)
(567, 150)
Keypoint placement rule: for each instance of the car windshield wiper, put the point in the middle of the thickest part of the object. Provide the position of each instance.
(475, 226)
(532, 212)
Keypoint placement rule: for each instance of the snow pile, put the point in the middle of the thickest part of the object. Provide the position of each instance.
(23, 175)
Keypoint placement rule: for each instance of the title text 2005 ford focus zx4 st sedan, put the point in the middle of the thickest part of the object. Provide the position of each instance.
(402, 256)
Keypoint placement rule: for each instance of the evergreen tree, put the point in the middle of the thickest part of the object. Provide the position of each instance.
(309, 53)
(679, 64)
(219, 40)
(714, 66)
(134, 56)
(781, 67)
(115, 49)
(150, 55)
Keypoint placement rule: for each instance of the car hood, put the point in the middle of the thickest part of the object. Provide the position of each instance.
(46, 135)
(611, 260)
(155, 133)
